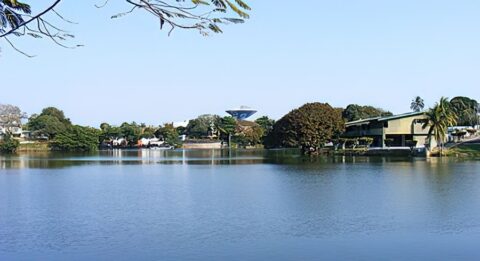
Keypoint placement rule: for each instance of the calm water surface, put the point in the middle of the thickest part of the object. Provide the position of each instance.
(238, 205)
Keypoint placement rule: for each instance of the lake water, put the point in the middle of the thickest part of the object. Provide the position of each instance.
(237, 205)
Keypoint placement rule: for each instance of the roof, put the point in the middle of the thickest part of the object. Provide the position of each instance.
(241, 113)
(384, 118)
(400, 116)
(242, 109)
(362, 121)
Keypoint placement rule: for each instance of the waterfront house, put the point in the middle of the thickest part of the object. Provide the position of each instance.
(14, 129)
(397, 131)
(150, 142)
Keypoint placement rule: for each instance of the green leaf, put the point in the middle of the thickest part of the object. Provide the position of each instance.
(243, 5)
(200, 2)
(237, 10)
(215, 28)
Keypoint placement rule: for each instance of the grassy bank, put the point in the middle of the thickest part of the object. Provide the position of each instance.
(464, 150)
(350, 152)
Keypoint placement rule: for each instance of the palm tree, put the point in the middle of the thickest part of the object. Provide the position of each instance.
(417, 104)
(439, 118)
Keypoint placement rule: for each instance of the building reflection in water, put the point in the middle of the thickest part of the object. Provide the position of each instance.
(196, 157)
(133, 157)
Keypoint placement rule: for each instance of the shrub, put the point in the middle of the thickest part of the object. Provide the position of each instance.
(9, 144)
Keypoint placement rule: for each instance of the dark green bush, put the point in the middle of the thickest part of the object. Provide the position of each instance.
(9, 144)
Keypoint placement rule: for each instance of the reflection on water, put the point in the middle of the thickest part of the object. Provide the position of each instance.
(146, 156)
(239, 204)
(190, 157)
(129, 157)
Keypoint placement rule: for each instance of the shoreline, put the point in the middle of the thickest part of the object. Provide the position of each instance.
(459, 151)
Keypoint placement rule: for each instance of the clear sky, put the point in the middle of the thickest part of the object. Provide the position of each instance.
(374, 52)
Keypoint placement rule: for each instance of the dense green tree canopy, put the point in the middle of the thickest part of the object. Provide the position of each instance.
(8, 144)
(169, 134)
(248, 133)
(355, 112)
(131, 132)
(308, 127)
(46, 125)
(466, 110)
(105, 126)
(267, 126)
(109, 132)
(202, 126)
(226, 126)
(54, 112)
(266, 123)
(148, 132)
(49, 123)
(76, 138)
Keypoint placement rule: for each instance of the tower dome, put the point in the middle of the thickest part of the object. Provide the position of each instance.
(241, 113)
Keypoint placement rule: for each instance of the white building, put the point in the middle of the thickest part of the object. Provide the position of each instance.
(15, 129)
(151, 142)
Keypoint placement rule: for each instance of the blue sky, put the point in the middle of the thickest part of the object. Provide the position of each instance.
(380, 53)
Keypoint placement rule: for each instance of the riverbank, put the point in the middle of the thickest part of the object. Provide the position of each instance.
(382, 152)
(37, 146)
(464, 150)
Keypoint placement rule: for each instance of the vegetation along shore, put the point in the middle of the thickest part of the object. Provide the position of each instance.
(449, 128)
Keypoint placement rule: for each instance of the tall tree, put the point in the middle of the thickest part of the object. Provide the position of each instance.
(248, 133)
(50, 122)
(355, 112)
(46, 126)
(131, 132)
(466, 109)
(267, 126)
(57, 113)
(417, 104)
(439, 118)
(266, 123)
(169, 134)
(226, 126)
(203, 126)
(308, 127)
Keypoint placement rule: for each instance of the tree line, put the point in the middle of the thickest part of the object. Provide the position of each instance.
(308, 127)
(52, 126)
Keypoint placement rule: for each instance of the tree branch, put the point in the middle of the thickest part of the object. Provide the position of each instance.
(32, 19)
